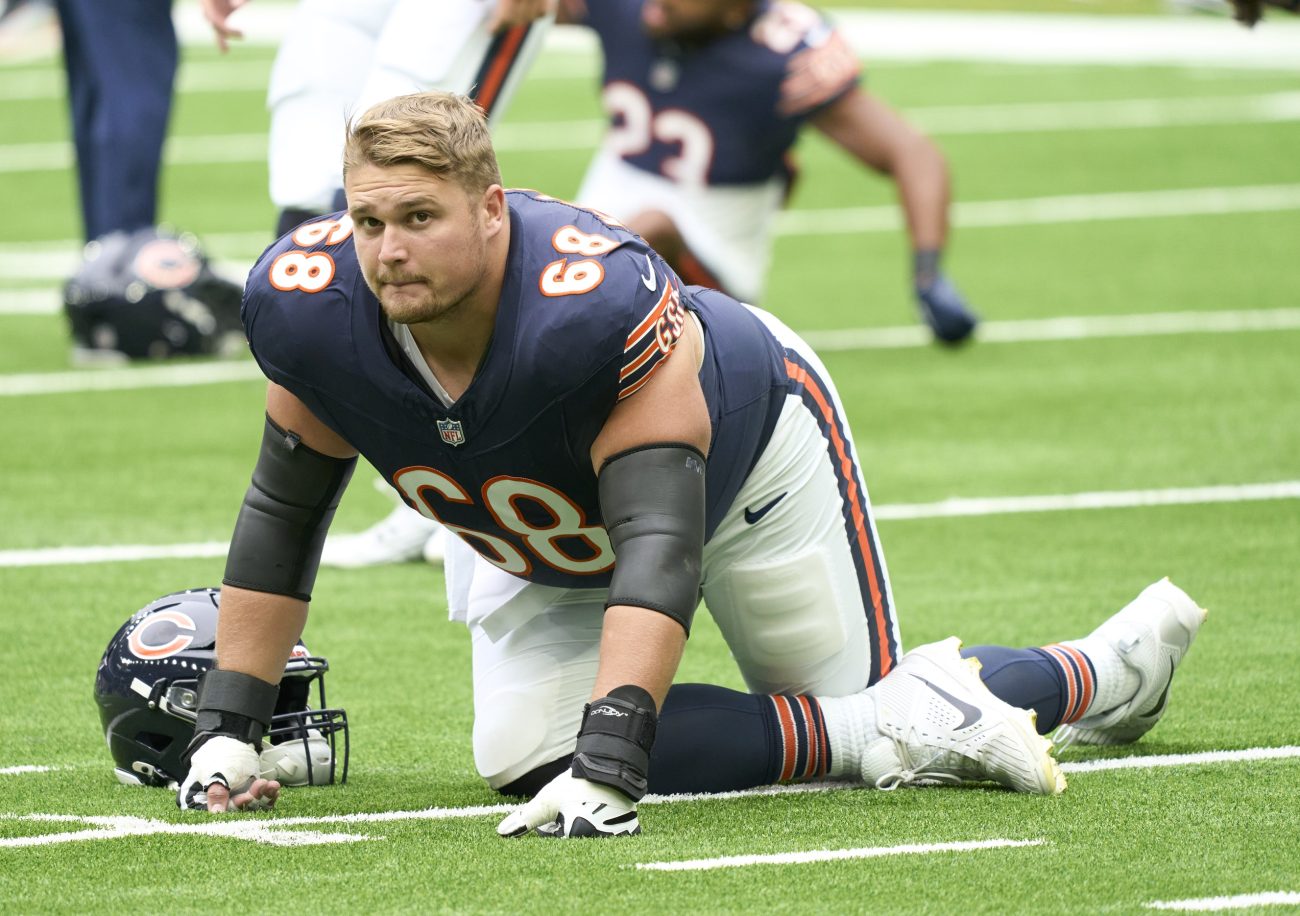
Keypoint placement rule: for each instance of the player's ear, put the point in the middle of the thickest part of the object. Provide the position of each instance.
(493, 209)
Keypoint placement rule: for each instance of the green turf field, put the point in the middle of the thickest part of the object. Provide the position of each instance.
(1175, 248)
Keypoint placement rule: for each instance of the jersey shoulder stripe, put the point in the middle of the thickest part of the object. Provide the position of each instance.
(652, 341)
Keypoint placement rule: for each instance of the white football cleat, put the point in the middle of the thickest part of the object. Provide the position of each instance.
(1150, 635)
(399, 538)
(942, 724)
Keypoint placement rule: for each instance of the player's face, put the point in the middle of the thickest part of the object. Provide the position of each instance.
(420, 240)
(693, 19)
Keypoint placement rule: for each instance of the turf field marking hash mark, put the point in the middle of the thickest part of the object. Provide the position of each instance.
(948, 508)
(831, 855)
(272, 832)
(111, 828)
(1238, 902)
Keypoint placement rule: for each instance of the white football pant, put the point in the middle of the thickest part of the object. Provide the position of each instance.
(727, 227)
(799, 591)
(339, 57)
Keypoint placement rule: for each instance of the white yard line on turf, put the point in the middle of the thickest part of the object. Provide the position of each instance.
(273, 830)
(1112, 499)
(1065, 208)
(1238, 902)
(110, 828)
(1050, 38)
(829, 855)
(1065, 328)
(948, 508)
(539, 136)
(55, 260)
(26, 768)
(128, 378)
(1248, 755)
(37, 300)
(1055, 39)
(121, 553)
(990, 332)
(1108, 114)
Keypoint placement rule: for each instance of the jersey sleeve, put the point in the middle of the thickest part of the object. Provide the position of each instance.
(296, 297)
(820, 66)
(602, 310)
(655, 322)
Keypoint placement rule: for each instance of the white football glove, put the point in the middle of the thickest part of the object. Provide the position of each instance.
(571, 807)
(290, 763)
(232, 770)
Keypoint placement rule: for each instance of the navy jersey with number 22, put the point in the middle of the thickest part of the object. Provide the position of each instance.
(587, 313)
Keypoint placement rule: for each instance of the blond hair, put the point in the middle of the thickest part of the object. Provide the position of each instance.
(441, 131)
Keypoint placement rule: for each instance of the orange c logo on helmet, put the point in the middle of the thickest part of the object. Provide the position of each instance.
(166, 264)
(179, 642)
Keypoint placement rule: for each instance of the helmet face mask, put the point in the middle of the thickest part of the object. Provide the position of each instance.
(147, 693)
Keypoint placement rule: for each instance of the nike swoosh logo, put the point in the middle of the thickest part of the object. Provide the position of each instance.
(753, 515)
(970, 714)
(1164, 696)
(1155, 710)
(652, 281)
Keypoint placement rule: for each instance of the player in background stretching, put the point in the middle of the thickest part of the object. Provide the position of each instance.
(706, 99)
(608, 446)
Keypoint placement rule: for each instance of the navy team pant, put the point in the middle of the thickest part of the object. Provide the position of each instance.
(120, 58)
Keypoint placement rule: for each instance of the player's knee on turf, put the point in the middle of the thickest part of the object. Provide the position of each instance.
(514, 741)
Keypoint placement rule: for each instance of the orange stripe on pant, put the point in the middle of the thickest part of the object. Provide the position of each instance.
(841, 454)
(507, 49)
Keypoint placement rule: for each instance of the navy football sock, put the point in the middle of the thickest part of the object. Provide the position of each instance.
(1026, 678)
(712, 739)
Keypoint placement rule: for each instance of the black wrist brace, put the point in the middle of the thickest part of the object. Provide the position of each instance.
(233, 704)
(615, 740)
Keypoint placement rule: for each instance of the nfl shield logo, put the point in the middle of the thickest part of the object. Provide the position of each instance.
(451, 431)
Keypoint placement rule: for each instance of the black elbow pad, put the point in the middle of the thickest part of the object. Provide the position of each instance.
(652, 500)
(287, 510)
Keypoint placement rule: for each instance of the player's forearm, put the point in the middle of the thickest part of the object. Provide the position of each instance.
(641, 647)
(921, 175)
(257, 630)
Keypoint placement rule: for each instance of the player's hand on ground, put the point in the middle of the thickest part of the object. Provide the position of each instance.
(944, 309)
(510, 13)
(225, 776)
(571, 807)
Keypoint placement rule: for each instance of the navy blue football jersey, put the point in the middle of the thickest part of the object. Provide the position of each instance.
(587, 314)
(725, 111)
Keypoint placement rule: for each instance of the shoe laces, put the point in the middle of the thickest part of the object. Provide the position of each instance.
(916, 773)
